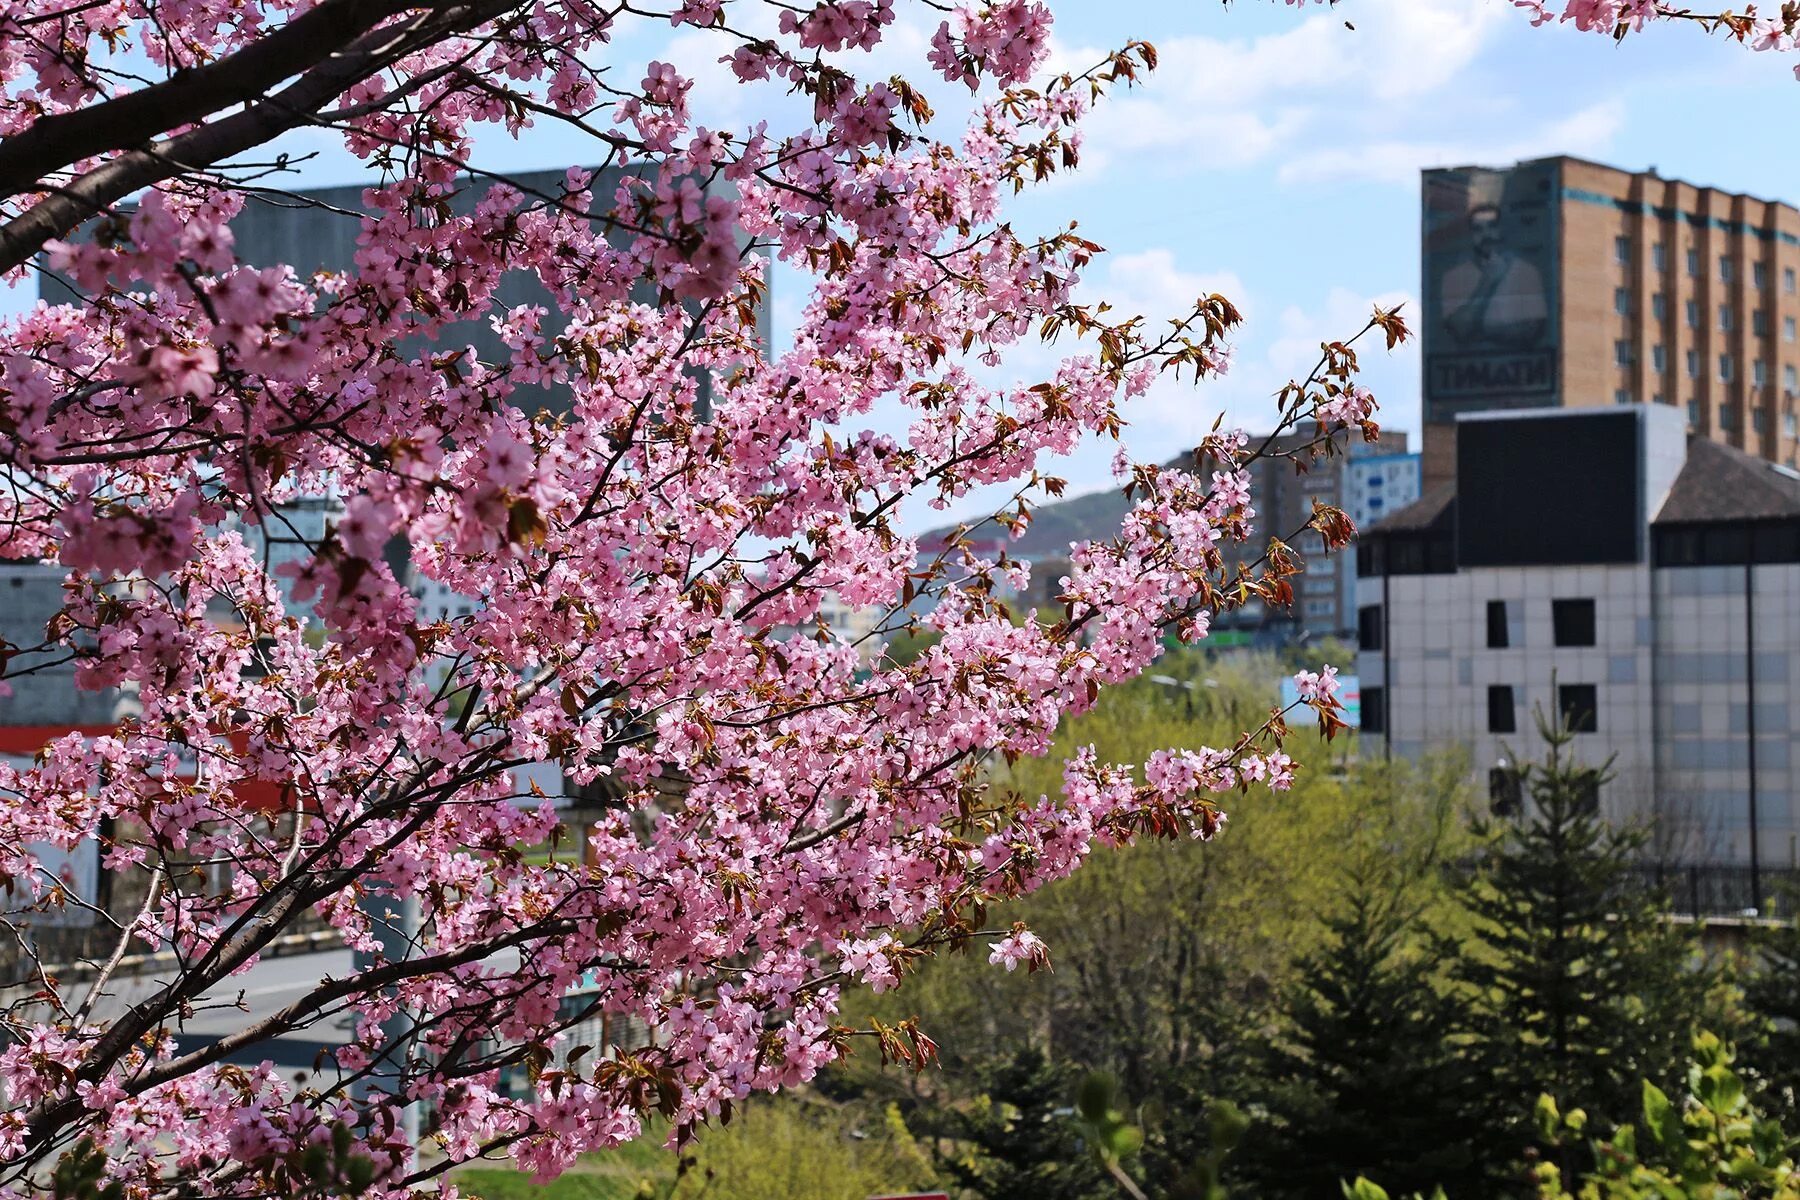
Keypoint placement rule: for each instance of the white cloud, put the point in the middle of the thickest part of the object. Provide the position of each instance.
(1401, 90)
(1392, 375)
(1588, 131)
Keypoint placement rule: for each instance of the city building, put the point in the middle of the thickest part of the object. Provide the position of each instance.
(1375, 484)
(1557, 282)
(1325, 592)
(316, 229)
(1611, 568)
(1378, 484)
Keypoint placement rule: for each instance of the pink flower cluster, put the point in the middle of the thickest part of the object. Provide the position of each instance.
(1778, 31)
(640, 566)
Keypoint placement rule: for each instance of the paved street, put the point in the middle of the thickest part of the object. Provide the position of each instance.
(265, 989)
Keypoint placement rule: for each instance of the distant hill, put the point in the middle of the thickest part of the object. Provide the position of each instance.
(1053, 526)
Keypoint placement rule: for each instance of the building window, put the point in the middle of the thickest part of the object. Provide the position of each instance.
(1579, 704)
(1622, 248)
(1787, 329)
(1622, 302)
(1759, 373)
(1759, 322)
(1759, 420)
(1659, 254)
(1693, 407)
(1502, 713)
(1790, 425)
(1621, 396)
(1693, 314)
(1622, 352)
(1658, 398)
(1693, 357)
(1727, 417)
(1573, 622)
(1726, 368)
(1368, 627)
(1374, 709)
(1790, 379)
(1693, 262)
(1726, 271)
(1725, 318)
(1659, 306)
(1759, 276)
(1788, 282)
(1658, 358)
(1504, 792)
(1496, 625)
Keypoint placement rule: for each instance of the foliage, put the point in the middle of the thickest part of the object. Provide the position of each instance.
(805, 1150)
(1171, 960)
(788, 1147)
(1709, 1145)
(1017, 1138)
(644, 509)
(1576, 981)
(643, 505)
(1771, 991)
(1365, 1025)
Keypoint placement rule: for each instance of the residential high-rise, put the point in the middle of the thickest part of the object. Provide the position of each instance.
(1325, 593)
(1563, 283)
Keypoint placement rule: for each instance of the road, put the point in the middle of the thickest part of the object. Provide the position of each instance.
(260, 992)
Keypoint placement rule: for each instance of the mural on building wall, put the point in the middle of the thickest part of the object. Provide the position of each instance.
(1490, 289)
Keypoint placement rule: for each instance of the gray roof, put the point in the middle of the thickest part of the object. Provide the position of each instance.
(1722, 483)
(1429, 511)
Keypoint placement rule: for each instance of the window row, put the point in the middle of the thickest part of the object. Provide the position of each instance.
(1760, 323)
(1577, 705)
(1571, 624)
(1728, 417)
(1659, 257)
(1760, 371)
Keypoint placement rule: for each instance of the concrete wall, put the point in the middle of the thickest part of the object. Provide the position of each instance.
(30, 595)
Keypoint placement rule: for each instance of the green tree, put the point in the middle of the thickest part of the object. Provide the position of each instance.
(1018, 1139)
(805, 1149)
(1711, 1145)
(1368, 1024)
(1577, 981)
(1771, 989)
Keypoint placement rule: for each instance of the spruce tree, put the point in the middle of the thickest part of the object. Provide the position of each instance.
(1367, 1081)
(1577, 982)
(1019, 1140)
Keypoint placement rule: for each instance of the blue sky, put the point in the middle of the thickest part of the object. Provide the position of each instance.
(1275, 157)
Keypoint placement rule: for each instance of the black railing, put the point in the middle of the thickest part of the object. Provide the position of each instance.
(1718, 890)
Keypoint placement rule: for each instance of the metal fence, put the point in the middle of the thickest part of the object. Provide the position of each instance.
(1701, 890)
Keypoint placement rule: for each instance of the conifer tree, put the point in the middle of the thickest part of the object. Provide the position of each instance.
(1576, 981)
(1019, 1140)
(1368, 1026)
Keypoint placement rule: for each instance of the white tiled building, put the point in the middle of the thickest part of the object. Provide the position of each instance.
(1602, 565)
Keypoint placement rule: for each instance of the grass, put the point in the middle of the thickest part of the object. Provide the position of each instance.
(602, 1175)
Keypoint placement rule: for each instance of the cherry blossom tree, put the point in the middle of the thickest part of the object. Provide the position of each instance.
(646, 560)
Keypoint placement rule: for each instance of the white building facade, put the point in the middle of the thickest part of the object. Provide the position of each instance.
(1603, 568)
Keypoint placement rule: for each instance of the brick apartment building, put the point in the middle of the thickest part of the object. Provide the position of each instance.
(1557, 282)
